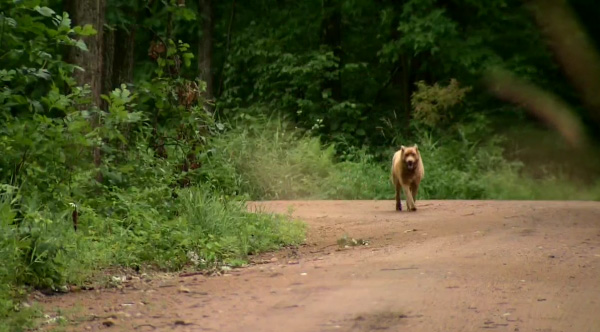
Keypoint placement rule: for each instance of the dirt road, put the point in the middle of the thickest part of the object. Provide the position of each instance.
(450, 266)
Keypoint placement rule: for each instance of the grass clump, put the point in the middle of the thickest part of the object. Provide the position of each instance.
(234, 232)
(468, 170)
(274, 161)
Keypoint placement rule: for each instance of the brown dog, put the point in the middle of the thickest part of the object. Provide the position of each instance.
(407, 173)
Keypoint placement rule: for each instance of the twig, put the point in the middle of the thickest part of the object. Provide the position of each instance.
(191, 274)
(400, 268)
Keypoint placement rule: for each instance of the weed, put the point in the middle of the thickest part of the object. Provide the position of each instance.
(346, 241)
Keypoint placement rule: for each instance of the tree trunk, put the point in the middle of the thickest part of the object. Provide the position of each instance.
(108, 59)
(119, 46)
(124, 56)
(331, 35)
(92, 12)
(227, 48)
(89, 12)
(403, 79)
(205, 51)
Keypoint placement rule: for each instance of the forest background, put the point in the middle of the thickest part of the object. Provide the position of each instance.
(133, 132)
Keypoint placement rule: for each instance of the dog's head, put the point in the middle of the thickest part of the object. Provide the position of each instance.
(410, 156)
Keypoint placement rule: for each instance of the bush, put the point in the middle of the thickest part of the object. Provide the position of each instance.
(461, 169)
(270, 160)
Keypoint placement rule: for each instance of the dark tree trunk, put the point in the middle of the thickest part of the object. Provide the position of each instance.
(124, 57)
(108, 62)
(118, 58)
(404, 78)
(205, 51)
(118, 61)
(89, 12)
(331, 35)
(227, 48)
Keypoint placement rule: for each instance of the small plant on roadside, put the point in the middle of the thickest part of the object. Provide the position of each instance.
(347, 242)
(433, 104)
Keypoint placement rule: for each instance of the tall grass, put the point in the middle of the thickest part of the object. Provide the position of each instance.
(467, 170)
(274, 161)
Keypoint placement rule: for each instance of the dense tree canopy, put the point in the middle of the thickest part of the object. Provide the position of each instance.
(345, 69)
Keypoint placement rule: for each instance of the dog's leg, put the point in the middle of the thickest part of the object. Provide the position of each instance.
(410, 203)
(398, 196)
(414, 189)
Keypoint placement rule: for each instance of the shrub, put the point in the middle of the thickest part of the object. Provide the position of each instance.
(271, 160)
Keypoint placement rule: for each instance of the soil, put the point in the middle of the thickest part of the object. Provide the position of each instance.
(450, 266)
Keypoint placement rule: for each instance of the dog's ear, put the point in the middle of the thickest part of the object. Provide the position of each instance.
(416, 147)
(402, 148)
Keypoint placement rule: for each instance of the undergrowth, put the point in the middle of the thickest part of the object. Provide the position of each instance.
(203, 229)
(275, 161)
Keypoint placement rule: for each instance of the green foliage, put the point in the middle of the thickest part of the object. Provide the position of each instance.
(425, 28)
(432, 104)
(357, 176)
(273, 161)
(282, 76)
(275, 61)
(13, 315)
(129, 210)
(226, 232)
(198, 227)
(467, 169)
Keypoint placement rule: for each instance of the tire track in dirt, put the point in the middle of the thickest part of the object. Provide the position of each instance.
(450, 266)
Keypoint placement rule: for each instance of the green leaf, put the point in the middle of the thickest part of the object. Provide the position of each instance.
(7, 75)
(42, 73)
(44, 55)
(188, 14)
(81, 45)
(63, 23)
(187, 59)
(45, 11)
(86, 30)
(37, 106)
(7, 21)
